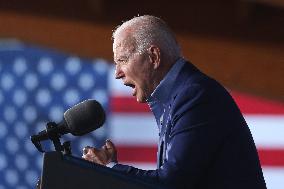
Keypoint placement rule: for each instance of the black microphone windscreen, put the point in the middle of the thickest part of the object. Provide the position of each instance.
(84, 117)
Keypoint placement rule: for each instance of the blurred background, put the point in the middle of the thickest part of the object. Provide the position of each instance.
(54, 54)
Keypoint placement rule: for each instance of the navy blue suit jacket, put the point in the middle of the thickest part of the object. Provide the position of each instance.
(204, 141)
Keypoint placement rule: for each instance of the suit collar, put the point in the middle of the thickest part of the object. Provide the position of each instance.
(186, 74)
(164, 89)
(161, 96)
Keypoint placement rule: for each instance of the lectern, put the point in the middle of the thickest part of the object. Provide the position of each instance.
(67, 172)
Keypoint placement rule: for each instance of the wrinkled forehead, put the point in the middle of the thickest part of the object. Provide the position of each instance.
(123, 43)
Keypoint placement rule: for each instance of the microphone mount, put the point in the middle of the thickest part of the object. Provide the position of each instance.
(54, 136)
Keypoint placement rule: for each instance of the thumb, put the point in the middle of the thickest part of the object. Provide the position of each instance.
(109, 144)
(111, 150)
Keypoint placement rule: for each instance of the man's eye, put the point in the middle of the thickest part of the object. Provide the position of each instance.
(122, 61)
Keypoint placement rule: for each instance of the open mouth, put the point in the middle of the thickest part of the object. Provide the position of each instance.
(132, 86)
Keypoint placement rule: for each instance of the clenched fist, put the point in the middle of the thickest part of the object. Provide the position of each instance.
(102, 156)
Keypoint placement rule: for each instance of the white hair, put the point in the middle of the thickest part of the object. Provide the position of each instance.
(148, 30)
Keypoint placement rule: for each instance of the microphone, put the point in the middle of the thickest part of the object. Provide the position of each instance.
(81, 119)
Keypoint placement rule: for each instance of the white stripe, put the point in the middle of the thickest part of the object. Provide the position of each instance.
(141, 129)
(274, 177)
(267, 130)
(136, 129)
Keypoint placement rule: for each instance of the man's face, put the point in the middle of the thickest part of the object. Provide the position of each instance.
(135, 69)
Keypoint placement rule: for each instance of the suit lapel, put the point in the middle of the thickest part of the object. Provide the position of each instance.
(165, 120)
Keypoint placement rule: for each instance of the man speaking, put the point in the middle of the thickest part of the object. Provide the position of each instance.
(204, 141)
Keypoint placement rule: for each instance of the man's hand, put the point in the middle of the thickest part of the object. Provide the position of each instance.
(101, 156)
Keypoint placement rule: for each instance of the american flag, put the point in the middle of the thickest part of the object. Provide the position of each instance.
(37, 85)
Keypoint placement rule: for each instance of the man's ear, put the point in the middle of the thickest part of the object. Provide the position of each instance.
(155, 56)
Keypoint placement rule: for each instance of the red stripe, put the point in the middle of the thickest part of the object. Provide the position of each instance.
(148, 154)
(249, 104)
(271, 157)
(137, 153)
(127, 104)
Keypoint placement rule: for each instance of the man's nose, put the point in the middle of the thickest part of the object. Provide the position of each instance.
(118, 72)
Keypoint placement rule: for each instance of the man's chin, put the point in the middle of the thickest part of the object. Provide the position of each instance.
(141, 100)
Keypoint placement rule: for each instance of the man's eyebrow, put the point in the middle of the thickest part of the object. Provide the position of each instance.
(122, 57)
(118, 59)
